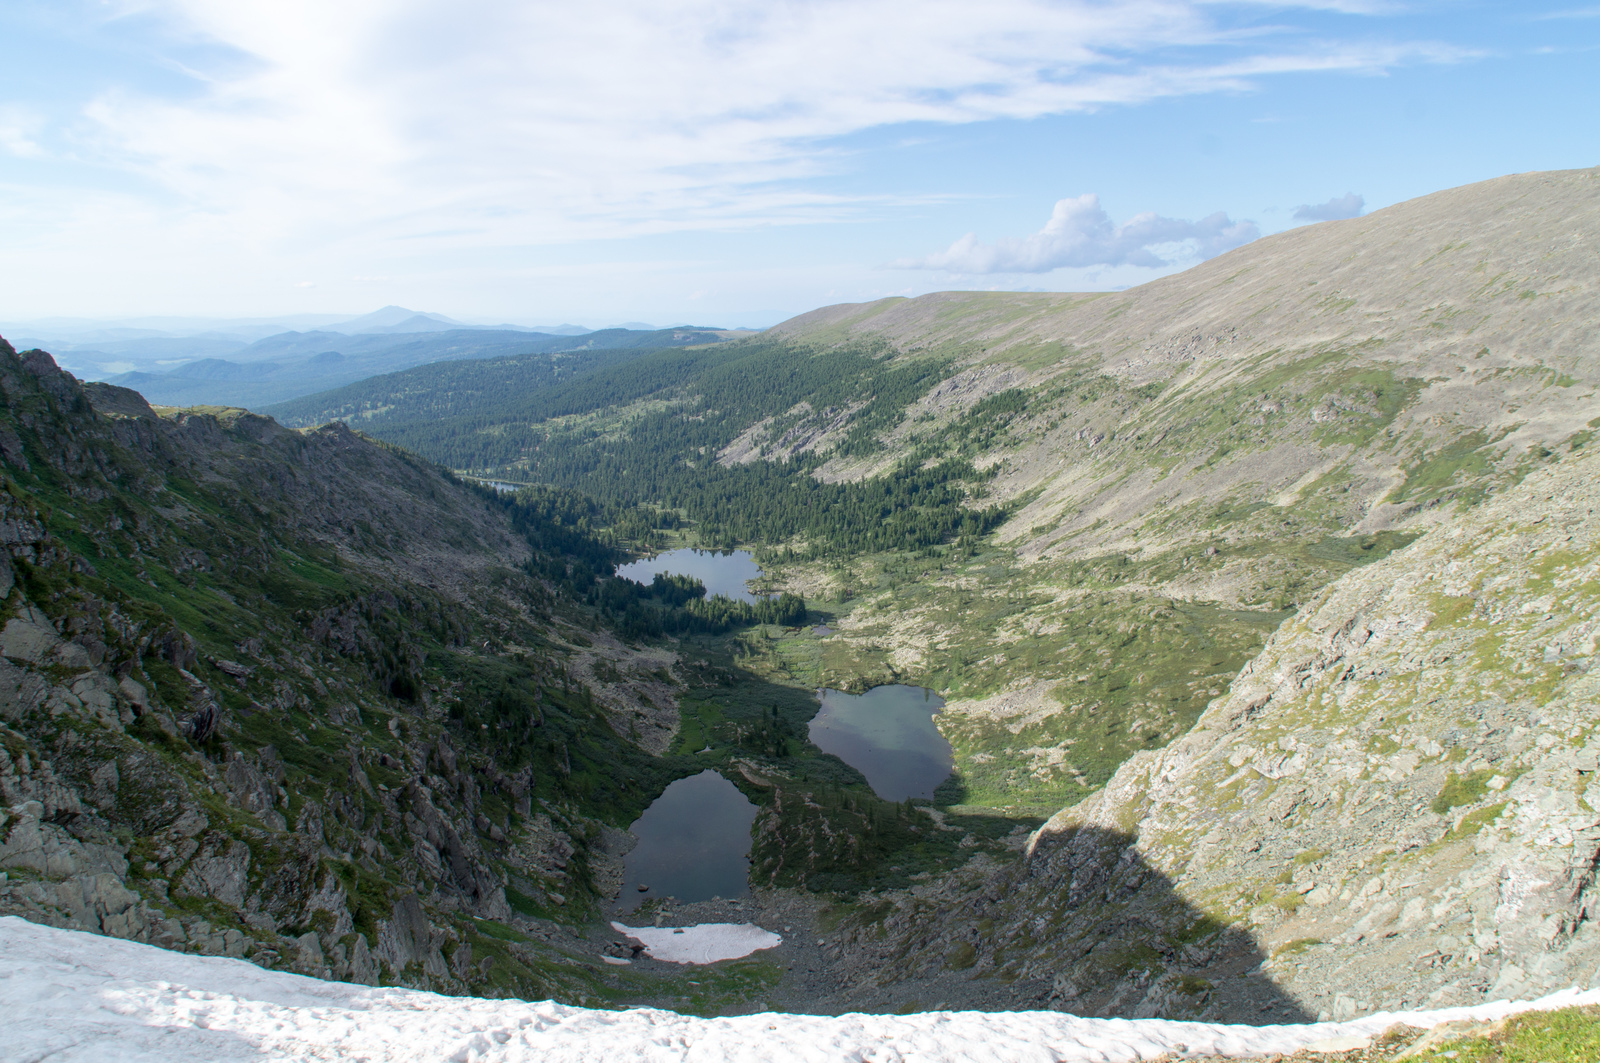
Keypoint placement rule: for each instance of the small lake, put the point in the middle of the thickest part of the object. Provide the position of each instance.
(887, 734)
(503, 486)
(693, 841)
(722, 572)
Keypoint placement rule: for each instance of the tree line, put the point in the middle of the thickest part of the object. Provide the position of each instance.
(662, 457)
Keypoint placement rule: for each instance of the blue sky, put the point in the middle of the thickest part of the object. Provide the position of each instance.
(724, 161)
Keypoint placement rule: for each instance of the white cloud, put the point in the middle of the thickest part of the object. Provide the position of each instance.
(1343, 7)
(1348, 205)
(1080, 234)
(494, 122)
(420, 144)
(1577, 12)
(19, 128)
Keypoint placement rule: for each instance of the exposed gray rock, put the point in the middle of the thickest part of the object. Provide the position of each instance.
(254, 792)
(409, 938)
(32, 844)
(1403, 750)
(30, 637)
(363, 967)
(220, 870)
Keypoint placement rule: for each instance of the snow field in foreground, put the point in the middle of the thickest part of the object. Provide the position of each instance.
(80, 998)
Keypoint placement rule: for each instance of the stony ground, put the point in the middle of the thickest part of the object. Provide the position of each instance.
(1393, 806)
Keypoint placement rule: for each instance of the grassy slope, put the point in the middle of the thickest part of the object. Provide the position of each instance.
(370, 645)
(1187, 460)
(1182, 463)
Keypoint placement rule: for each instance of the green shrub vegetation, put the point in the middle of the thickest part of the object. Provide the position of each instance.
(592, 435)
(1570, 1035)
(1462, 790)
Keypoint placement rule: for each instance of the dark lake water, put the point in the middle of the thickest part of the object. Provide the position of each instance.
(693, 841)
(722, 573)
(887, 734)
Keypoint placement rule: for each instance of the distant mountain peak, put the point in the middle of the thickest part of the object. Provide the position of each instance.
(387, 318)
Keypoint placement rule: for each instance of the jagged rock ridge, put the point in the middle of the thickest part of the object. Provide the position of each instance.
(242, 674)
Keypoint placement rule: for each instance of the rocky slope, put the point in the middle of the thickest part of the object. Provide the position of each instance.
(1333, 359)
(1186, 461)
(1181, 465)
(290, 696)
(1186, 467)
(1394, 805)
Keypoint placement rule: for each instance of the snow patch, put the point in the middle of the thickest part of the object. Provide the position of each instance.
(80, 998)
(703, 943)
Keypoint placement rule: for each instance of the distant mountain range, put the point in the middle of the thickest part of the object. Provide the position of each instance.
(291, 364)
(102, 349)
(82, 332)
(397, 319)
(255, 362)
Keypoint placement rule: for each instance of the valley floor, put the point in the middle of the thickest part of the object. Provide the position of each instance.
(810, 972)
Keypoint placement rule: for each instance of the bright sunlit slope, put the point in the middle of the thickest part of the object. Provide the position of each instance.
(1335, 358)
(1393, 805)
(1424, 272)
(1176, 466)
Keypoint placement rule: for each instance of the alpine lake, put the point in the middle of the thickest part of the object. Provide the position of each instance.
(694, 840)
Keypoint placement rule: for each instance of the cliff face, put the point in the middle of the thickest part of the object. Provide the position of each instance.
(1395, 804)
(286, 696)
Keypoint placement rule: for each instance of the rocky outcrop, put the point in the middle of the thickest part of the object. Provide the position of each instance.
(407, 938)
(1397, 796)
(1396, 803)
(234, 700)
(800, 430)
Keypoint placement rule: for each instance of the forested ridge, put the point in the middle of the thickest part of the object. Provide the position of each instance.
(648, 431)
(441, 389)
(562, 527)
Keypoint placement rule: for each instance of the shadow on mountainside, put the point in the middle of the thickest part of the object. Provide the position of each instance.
(1081, 924)
(1131, 944)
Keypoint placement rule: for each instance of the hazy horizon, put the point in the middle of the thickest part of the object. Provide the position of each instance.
(730, 164)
